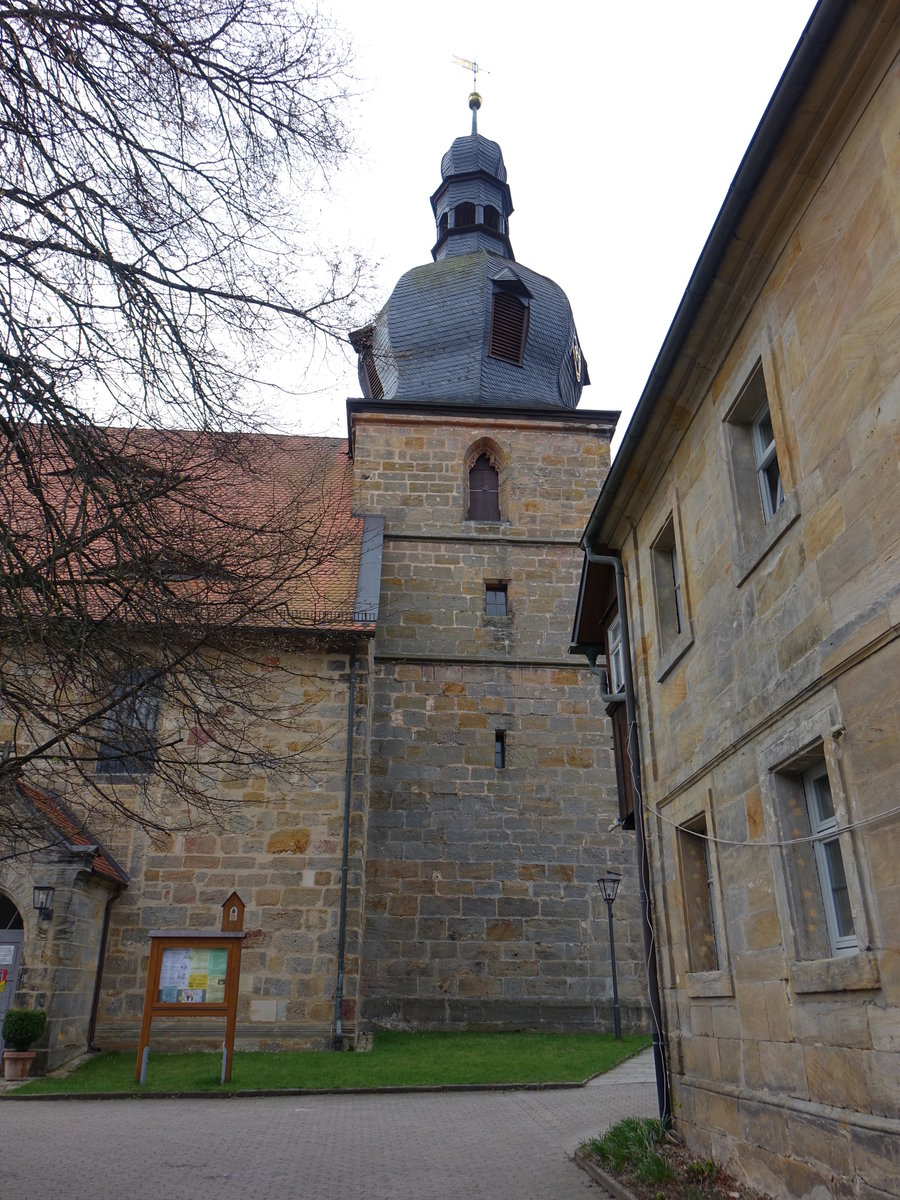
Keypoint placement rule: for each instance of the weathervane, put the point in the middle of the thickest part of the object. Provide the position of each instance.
(474, 99)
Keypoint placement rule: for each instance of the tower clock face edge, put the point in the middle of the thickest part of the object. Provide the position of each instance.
(576, 358)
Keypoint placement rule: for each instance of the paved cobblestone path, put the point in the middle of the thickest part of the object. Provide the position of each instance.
(412, 1146)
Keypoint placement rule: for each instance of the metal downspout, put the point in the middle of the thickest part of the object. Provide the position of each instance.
(659, 1062)
(98, 976)
(342, 925)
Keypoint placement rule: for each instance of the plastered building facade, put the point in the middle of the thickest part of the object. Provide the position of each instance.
(755, 518)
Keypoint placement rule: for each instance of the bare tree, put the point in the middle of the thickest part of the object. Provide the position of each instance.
(152, 153)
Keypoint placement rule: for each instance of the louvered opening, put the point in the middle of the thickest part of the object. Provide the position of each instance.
(376, 387)
(484, 491)
(509, 328)
(491, 217)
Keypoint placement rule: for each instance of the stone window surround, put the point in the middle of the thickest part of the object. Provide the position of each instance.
(817, 729)
(672, 646)
(752, 535)
(686, 810)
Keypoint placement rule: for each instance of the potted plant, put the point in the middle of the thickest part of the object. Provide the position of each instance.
(21, 1027)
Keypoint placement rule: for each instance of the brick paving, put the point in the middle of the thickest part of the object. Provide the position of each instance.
(408, 1146)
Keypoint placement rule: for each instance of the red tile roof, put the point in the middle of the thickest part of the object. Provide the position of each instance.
(282, 502)
(72, 832)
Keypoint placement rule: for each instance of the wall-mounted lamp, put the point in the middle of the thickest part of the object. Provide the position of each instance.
(43, 902)
(609, 885)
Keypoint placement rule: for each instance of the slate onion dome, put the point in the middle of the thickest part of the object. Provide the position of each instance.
(473, 327)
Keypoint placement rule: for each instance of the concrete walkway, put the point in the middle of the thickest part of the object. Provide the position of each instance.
(409, 1146)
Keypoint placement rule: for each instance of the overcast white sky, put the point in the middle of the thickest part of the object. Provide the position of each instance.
(621, 127)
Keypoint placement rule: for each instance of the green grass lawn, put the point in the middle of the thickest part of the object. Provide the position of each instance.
(396, 1060)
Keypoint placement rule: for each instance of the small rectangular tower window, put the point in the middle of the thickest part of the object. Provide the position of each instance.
(499, 748)
(495, 600)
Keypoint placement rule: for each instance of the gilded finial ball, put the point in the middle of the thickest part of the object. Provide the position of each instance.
(475, 101)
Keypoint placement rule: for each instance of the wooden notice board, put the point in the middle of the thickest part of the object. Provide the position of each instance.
(194, 973)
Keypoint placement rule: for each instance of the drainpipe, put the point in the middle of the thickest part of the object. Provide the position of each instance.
(342, 924)
(659, 1062)
(98, 977)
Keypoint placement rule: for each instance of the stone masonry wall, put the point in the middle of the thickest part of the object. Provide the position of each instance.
(482, 905)
(59, 955)
(279, 846)
(786, 1058)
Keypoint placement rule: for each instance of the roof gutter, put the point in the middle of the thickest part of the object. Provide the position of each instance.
(797, 75)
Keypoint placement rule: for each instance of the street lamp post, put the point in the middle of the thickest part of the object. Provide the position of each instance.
(609, 885)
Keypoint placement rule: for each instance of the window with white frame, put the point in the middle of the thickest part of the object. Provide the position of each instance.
(768, 474)
(829, 860)
(668, 581)
(763, 509)
(821, 920)
(615, 652)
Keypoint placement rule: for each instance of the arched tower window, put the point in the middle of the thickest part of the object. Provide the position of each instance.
(484, 490)
(491, 217)
(464, 214)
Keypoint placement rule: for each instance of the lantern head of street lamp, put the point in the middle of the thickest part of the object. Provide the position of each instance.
(609, 885)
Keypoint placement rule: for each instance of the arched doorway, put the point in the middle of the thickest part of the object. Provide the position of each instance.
(11, 936)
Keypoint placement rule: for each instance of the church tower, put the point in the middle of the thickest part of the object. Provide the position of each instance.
(492, 792)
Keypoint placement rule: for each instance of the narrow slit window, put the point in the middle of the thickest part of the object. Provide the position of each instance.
(499, 748)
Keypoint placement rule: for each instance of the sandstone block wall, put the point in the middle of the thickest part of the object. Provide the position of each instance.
(785, 1058)
(59, 955)
(482, 906)
(279, 846)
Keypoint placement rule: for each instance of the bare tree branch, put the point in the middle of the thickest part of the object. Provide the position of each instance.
(154, 155)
